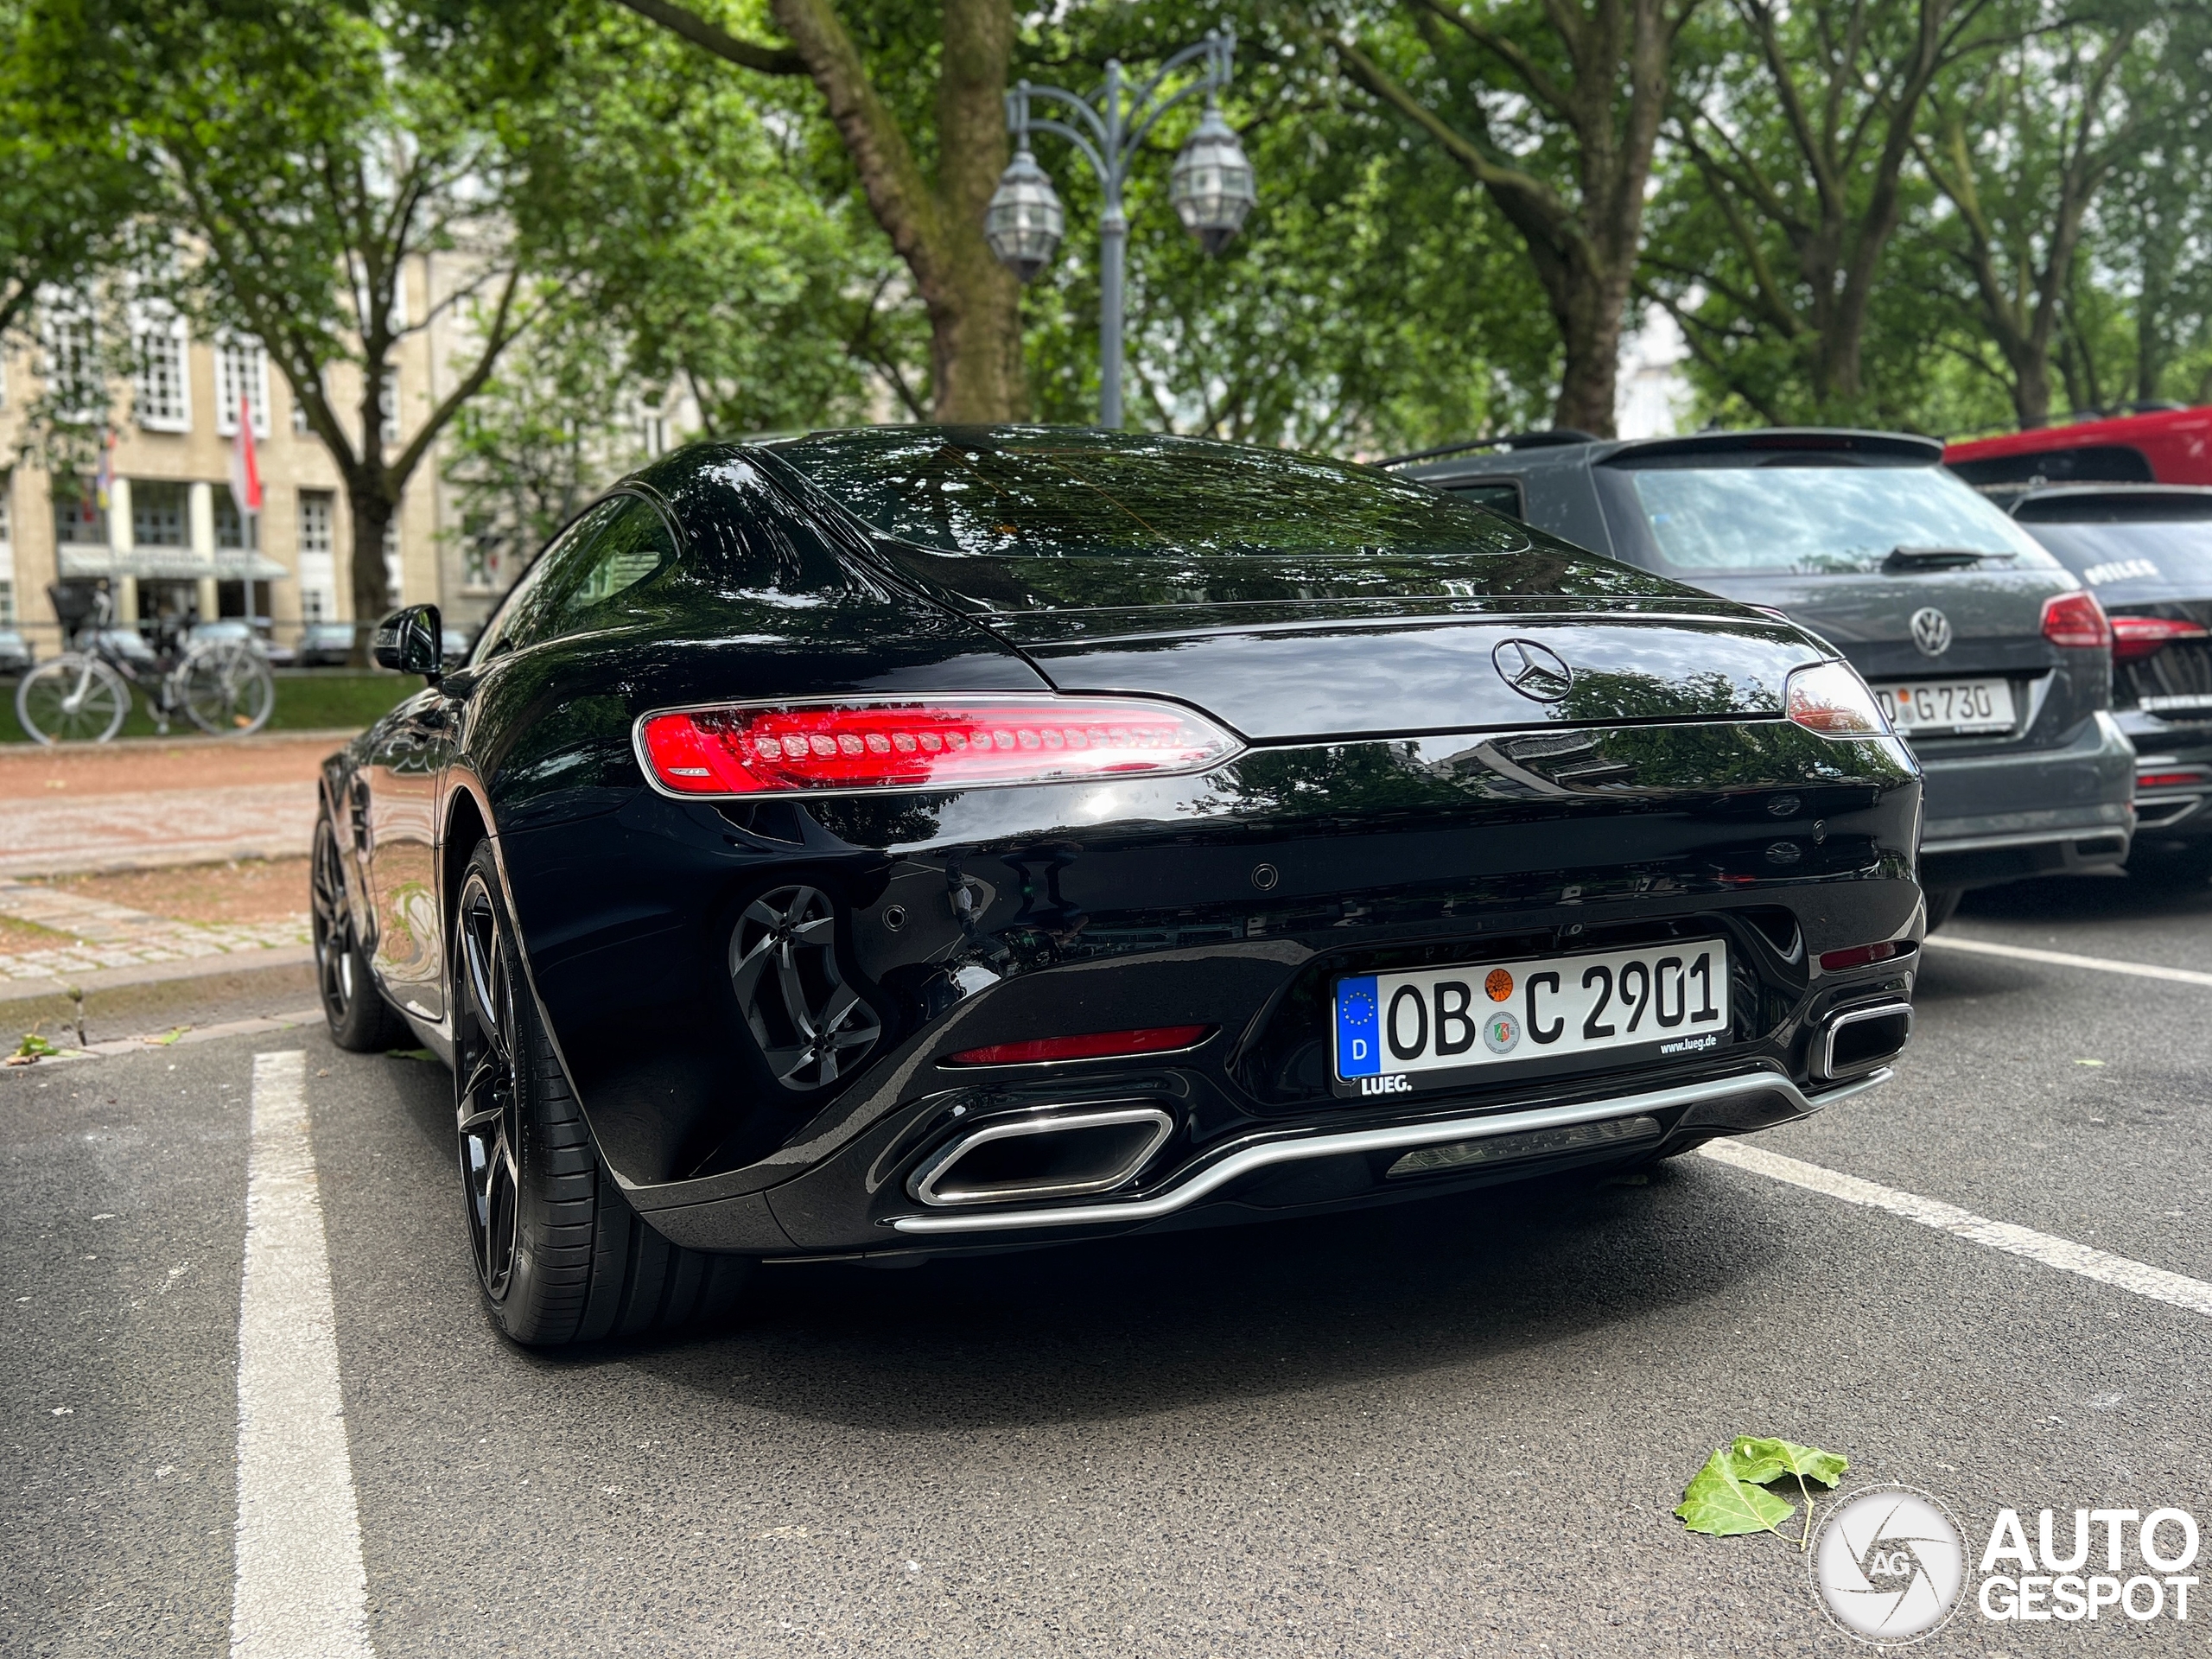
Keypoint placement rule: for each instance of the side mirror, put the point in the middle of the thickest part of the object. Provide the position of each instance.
(408, 640)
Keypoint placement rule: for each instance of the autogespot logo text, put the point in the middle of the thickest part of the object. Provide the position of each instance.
(1890, 1566)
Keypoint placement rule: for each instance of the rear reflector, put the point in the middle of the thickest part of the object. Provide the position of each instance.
(1835, 962)
(860, 745)
(1093, 1046)
(2134, 638)
(2077, 621)
(1831, 699)
(2168, 779)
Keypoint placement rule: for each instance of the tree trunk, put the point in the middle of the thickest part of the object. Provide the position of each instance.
(1590, 333)
(1585, 251)
(973, 303)
(976, 347)
(367, 582)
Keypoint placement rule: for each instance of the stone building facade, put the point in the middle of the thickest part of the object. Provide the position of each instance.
(171, 539)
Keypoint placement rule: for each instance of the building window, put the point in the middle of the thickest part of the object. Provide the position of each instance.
(388, 401)
(655, 434)
(163, 397)
(160, 514)
(78, 519)
(7, 551)
(318, 569)
(479, 555)
(393, 571)
(315, 523)
(241, 370)
(234, 531)
(71, 368)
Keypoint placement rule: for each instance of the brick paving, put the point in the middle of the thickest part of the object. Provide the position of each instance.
(142, 806)
(103, 935)
(63, 835)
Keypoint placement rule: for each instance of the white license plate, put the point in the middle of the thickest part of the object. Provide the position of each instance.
(1950, 706)
(1393, 1032)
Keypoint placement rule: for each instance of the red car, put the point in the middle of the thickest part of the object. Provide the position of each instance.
(2159, 446)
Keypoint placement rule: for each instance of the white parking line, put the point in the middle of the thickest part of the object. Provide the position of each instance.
(2061, 1253)
(2067, 959)
(301, 1591)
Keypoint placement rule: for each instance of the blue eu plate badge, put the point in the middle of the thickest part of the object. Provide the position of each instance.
(1359, 1028)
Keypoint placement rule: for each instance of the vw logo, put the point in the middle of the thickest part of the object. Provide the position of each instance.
(1533, 671)
(1931, 631)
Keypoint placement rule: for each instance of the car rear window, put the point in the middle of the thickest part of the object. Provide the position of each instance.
(2138, 559)
(1066, 495)
(1819, 519)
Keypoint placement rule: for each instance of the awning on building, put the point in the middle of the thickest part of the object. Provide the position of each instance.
(170, 564)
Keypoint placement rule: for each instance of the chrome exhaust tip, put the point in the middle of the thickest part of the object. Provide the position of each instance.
(1858, 1040)
(1062, 1155)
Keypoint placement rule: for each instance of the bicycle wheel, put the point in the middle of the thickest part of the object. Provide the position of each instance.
(224, 689)
(72, 699)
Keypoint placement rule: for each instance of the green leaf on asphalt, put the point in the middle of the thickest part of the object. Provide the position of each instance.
(1756, 1462)
(410, 1054)
(1719, 1502)
(33, 1048)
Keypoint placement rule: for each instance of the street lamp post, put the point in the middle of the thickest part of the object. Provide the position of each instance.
(1211, 184)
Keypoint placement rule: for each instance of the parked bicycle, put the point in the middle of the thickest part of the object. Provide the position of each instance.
(222, 686)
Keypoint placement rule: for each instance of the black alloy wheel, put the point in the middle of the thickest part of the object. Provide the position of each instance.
(560, 1255)
(357, 1014)
(487, 1102)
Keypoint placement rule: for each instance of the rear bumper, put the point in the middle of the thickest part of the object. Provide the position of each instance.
(1719, 1105)
(2000, 817)
(2164, 811)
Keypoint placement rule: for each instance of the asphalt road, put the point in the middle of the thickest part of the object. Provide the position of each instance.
(1451, 1428)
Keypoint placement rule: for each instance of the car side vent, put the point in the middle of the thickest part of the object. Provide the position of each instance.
(810, 1027)
(1778, 927)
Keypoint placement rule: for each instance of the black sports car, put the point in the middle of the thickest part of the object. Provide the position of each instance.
(901, 841)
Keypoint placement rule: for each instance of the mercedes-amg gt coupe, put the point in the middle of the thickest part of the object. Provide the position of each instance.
(901, 841)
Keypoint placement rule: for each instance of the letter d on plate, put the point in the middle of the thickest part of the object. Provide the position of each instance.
(1359, 1028)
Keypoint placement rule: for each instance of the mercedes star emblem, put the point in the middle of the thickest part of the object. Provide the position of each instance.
(1931, 631)
(1533, 671)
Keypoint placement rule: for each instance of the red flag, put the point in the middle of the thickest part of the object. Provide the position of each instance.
(245, 471)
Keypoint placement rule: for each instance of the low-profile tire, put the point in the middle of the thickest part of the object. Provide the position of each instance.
(560, 1255)
(358, 1017)
(1942, 905)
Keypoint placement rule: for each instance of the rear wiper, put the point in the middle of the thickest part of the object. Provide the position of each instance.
(1939, 558)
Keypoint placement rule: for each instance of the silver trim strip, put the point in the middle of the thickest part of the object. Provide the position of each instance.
(1244, 1162)
(923, 1185)
(2025, 838)
(1823, 1055)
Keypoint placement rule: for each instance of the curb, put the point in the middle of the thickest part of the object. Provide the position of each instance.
(263, 740)
(38, 867)
(113, 994)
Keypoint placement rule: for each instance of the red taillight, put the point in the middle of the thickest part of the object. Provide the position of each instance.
(2168, 779)
(1835, 962)
(1831, 699)
(2134, 638)
(938, 743)
(1098, 1045)
(2077, 621)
